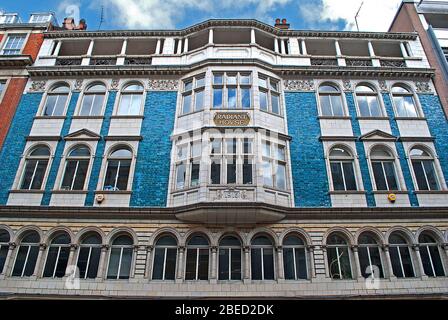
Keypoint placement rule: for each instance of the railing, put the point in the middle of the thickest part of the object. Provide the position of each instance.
(393, 63)
(324, 62)
(137, 61)
(68, 61)
(358, 62)
(103, 61)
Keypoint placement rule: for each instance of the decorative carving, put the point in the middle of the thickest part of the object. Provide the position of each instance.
(347, 85)
(231, 119)
(358, 62)
(423, 87)
(163, 85)
(103, 61)
(383, 86)
(38, 86)
(78, 84)
(68, 62)
(114, 84)
(393, 63)
(324, 62)
(231, 193)
(137, 61)
(299, 85)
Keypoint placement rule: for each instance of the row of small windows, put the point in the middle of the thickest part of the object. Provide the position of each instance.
(76, 167)
(382, 161)
(368, 101)
(295, 253)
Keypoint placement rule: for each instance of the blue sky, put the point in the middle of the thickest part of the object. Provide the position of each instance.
(375, 15)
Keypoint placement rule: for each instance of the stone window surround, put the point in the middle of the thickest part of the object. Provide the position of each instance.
(50, 87)
(376, 94)
(409, 87)
(6, 36)
(318, 84)
(120, 93)
(352, 242)
(83, 93)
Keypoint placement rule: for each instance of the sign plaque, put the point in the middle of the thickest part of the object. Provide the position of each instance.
(237, 119)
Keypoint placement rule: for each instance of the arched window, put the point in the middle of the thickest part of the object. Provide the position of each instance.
(400, 256)
(89, 256)
(342, 169)
(120, 259)
(331, 101)
(368, 101)
(27, 255)
(369, 253)
(294, 258)
(424, 170)
(198, 251)
(338, 257)
(230, 258)
(57, 256)
(93, 100)
(76, 166)
(118, 168)
(262, 258)
(430, 254)
(404, 102)
(56, 101)
(165, 258)
(36, 164)
(4, 248)
(383, 167)
(130, 100)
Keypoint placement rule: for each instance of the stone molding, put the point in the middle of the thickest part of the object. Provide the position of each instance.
(163, 85)
(299, 85)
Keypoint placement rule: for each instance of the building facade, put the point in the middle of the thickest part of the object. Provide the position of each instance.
(19, 45)
(429, 19)
(231, 158)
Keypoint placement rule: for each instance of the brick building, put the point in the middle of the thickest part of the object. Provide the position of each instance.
(19, 45)
(228, 159)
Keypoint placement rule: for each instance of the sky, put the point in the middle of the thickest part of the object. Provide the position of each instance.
(375, 15)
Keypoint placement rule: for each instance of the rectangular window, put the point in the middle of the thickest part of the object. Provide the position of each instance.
(231, 146)
(199, 100)
(231, 98)
(186, 108)
(193, 95)
(180, 176)
(215, 172)
(217, 98)
(216, 146)
(247, 171)
(269, 95)
(247, 145)
(233, 93)
(194, 174)
(2, 88)
(231, 170)
(13, 44)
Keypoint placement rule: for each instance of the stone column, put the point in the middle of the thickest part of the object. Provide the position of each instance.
(357, 264)
(276, 45)
(179, 46)
(421, 270)
(303, 44)
(403, 50)
(310, 251)
(390, 271)
(280, 267)
(213, 277)
(158, 45)
(71, 257)
(57, 49)
(148, 271)
(210, 36)
(246, 264)
(186, 45)
(102, 272)
(8, 261)
(282, 46)
(180, 265)
(38, 269)
(134, 261)
(252, 36)
(327, 270)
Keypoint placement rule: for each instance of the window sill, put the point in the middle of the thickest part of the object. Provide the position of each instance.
(176, 191)
(333, 118)
(25, 191)
(69, 191)
(410, 118)
(276, 190)
(347, 192)
(372, 118)
(270, 113)
(127, 117)
(112, 192)
(390, 191)
(190, 113)
(88, 117)
(50, 117)
(431, 191)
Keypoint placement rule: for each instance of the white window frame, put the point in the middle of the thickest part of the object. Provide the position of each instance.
(238, 86)
(410, 93)
(88, 265)
(95, 93)
(270, 91)
(165, 250)
(368, 94)
(294, 248)
(193, 92)
(273, 161)
(14, 35)
(339, 93)
(121, 247)
(132, 92)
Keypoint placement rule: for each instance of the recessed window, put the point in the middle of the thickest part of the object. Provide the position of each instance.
(36, 164)
(193, 95)
(294, 258)
(165, 257)
(197, 265)
(118, 168)
(89, 256)
(27, 253)
(187, 165)
(269, 94)
(131, 100)
(262, 258)
(230, 253)
(400, 256)
(93, 100)
(120, 259)
(57, 256)
(404, 102)
(56, 101)
(383, 167)
(424, 170)
(430, 254)
(369, 252)
(338, 257)
(14, 44)
(76, 167)
(330, 98)
(342, 170)
(274, 165)
(4, 247)
(232, 90)
(368, 101)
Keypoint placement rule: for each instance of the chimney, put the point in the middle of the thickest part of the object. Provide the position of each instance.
(281, 25)
(82, 25)
(69, 24)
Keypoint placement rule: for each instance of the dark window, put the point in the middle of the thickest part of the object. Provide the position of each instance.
(118, 168)
(89, 256)
(430, 254)
(165, 259)
(27, 255)
(230, 259)
(120, 259)
(262, 259)
(400, 257)
(57, 257)
(294, 258)
(369, 253)
(197, 264)
(4, 248)
(338, 258)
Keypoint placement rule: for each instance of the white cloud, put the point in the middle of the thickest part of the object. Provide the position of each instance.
(375, 15)
(162, 14)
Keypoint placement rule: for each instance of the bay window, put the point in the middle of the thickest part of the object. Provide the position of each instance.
(187, 167)
(269, 94)
(232, 90)
(193, 94)
(274, 165)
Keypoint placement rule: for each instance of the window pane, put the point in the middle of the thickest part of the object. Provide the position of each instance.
(325, 105)
(247, 171)
(345, 263)
(399, 106)
(94, 263)
(51, 261)
(231, 79)
(28, 174)
(49, 105)
(436, 260)
(262, 82)
(263, 101)
(199, 100)
(215, 172)
(81, 175)
(123, 174)
(333, 263)
(111, 173)
(407, 263)
(231, 98)
(364, 262)
(268, 264)
(244, 79)
(275, 101)
(235, 264)
(216, 146)
(389, 169)
(409, 105)
(280, 154)
(336, 103)
(195, 174)
(379, 176)
(302, 272)
(420, 175)
(188, 85)
(349, 174)
(245, 98)
(200, 82)
(247, 146)
(62, 262)
(3, 253)
(336, 174)
(125, 103)
(430, 174)
(217, 98)
(170, 265)
(203, 264)
(256, 263)
(363, 106)
(288, 262)
(186, 108)
(180, 176)
(217, 78)
(86, 105)
(267, 174)
(39, 175)
(375, 110)
(126, 262)
(281, 177)
(231, 170)
(231, 146)
(19, 264)
(224, 264)
(190, 268)
(159, 257)
(60, 105)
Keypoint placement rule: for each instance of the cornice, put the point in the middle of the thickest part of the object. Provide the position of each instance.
(216, 23)
(285, 70)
